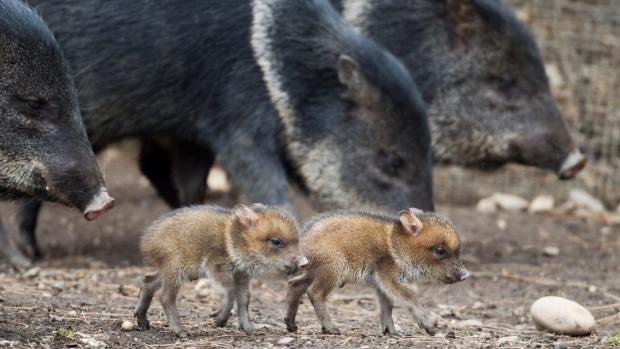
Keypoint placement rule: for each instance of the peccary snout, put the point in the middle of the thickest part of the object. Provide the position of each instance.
(100, 203)
(573, 164)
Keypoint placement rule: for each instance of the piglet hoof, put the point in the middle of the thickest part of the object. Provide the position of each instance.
(219, 322)
(248, 329)
(390, 332)
(143, 323)
(182, 334)
(331, 330)
(428, 325)
(290, 326)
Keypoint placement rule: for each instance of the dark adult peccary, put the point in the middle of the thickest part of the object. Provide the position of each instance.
(479, 69)
(44, 151)
(351, 126)
(481, 73)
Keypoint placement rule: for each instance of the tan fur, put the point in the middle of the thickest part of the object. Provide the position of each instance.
(229, 246)
(379, 251)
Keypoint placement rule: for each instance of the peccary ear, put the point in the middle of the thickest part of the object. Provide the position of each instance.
(246, 215)
(359, 89)
(410, 222)
(465, 20)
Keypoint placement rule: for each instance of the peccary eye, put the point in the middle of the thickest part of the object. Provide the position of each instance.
(391, 163)
(33, 103)
(439, 252)
(505, 83)
(275, 242)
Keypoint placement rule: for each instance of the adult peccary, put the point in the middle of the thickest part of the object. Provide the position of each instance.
(351, 126)
(480, 72)
(44, 151)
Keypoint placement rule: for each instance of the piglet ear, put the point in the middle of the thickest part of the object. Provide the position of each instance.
(246, 215)
(359, 89)
(411, 223)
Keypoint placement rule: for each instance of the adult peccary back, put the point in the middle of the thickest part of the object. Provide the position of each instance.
(44, 151)
(356, 132)
(482, 75)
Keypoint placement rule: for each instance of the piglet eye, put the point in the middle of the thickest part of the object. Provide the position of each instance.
(275, 242)
(439, 252)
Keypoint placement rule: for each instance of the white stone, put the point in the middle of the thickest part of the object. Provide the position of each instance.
(487, 205)
(127, 326)
(509, 202)
(585, 200)
(542, 203)
(551, 251)
(286, 340)
(562, 316)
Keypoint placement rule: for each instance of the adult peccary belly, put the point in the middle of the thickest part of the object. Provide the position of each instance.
(354, 132)
(482, 75)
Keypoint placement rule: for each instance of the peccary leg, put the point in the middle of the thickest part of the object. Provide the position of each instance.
(386, 306)
(242, 293)
(171, 284)
(15, 257)
(257, 172)
(318, 297)
(151, 283)
(156, 164)
(296, 289)
(223, 314)
(190, 168)
(27, 215)
(405, 295)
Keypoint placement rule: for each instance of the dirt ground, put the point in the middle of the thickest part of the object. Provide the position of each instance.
(87, 284)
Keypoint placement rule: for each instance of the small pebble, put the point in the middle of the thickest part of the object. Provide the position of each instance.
(511, 203)
(286, 340)
(32, 272)
(72, 313)
(542, 203)
(478, 306)
(486, 206)
(562, 316)
(127, 326)
(502, 224)
(551, 251)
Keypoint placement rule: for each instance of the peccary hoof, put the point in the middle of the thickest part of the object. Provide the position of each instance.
(291, 327)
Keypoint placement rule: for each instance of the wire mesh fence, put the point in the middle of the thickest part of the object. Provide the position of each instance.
(580, 41)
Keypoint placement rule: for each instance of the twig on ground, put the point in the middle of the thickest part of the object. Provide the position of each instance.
(605, 307)
(609, 319)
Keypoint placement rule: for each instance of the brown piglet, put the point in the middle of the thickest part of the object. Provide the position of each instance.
(229, 246)
(381, 251)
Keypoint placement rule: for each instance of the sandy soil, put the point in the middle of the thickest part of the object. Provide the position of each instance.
(88, 281)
